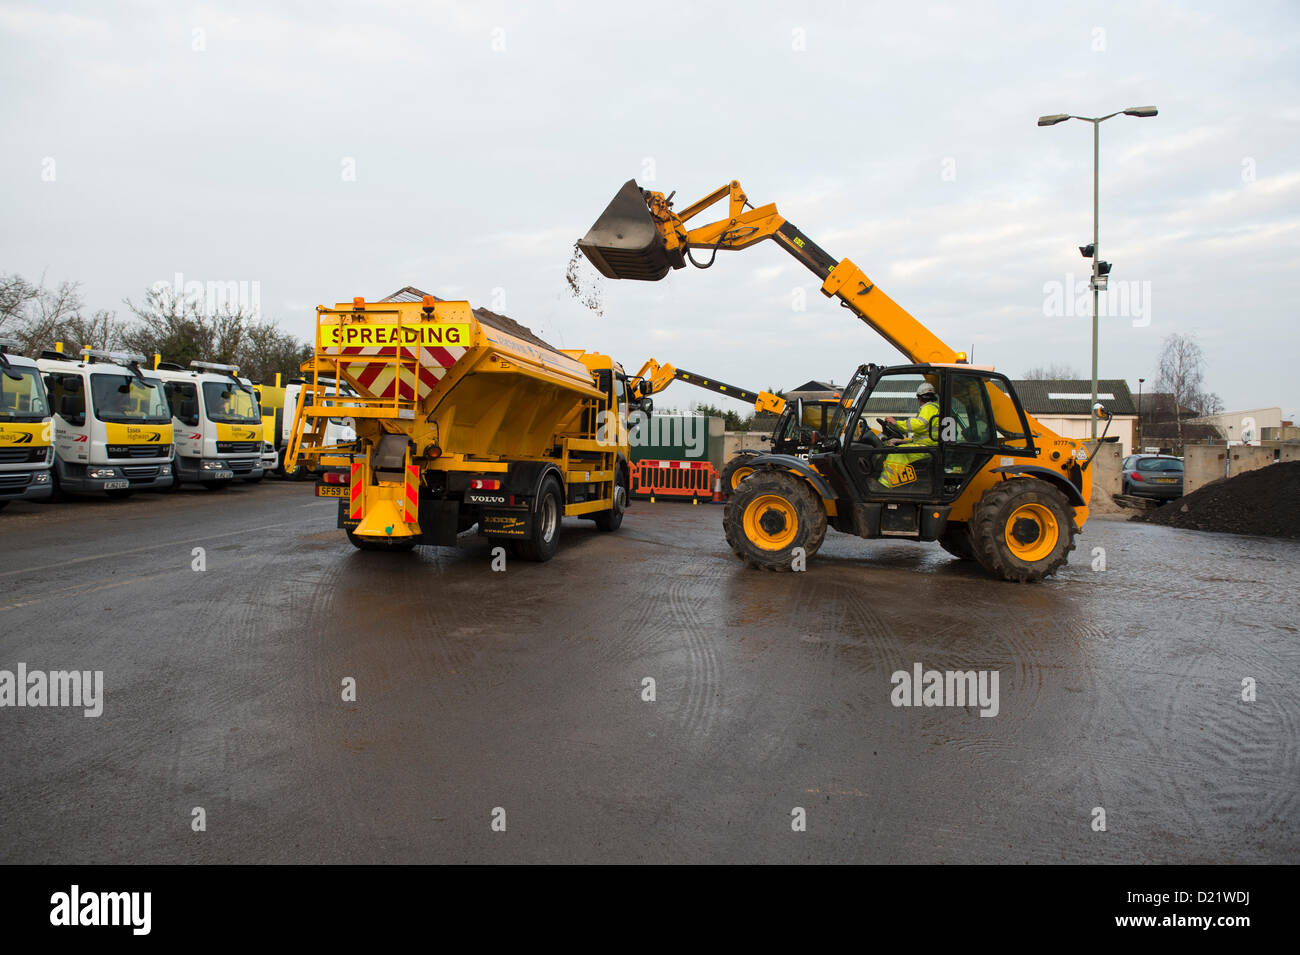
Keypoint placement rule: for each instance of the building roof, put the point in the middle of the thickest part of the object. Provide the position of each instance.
(1056, 396)
(814, 386)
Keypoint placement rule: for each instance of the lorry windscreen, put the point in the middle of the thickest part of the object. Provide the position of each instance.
(231, 403)
(22, 396)
(126, 398)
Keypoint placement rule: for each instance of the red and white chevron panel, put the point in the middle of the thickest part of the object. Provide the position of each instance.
(376, 378)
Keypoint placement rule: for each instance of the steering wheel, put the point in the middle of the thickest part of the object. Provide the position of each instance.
(867, 436)
(890, 429)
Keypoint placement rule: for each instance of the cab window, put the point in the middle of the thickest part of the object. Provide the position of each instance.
(67, 397)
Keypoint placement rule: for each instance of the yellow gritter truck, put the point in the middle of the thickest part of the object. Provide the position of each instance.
(464, 417)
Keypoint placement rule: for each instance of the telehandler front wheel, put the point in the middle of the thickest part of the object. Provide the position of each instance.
(770, 516)
(956, 541)
(1022, 530)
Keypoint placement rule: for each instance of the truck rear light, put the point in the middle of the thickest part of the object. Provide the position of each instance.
(485, 484)
(335, 477)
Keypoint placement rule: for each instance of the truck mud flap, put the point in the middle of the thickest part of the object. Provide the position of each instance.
(516, 523)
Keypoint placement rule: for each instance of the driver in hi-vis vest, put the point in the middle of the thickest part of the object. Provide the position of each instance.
(897, 469)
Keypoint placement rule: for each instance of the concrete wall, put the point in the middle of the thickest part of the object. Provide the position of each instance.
(1245, 425)
(734, 441)
(1105, 479)
(1203, 463)
(1290, 452)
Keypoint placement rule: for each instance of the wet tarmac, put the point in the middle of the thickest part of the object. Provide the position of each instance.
(518, 698)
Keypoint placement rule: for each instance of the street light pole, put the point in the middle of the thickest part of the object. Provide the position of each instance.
(1052, 120)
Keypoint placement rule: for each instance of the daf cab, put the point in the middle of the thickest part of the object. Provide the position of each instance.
(112, 424)
(217, 423)
(25, 449)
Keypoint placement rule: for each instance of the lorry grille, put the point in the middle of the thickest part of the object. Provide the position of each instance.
(22, 455)
(14, 482)
(137, 450)
(140, 472)
(239, 447)
(241, 467)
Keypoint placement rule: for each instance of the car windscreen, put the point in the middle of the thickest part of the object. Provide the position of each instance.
(22, 396)
(126, 398)
(231, 403)
(1159, 464)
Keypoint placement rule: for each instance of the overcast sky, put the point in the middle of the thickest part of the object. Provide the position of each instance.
(325, 151)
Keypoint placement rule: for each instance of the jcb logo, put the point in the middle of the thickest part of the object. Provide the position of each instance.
(906, 474)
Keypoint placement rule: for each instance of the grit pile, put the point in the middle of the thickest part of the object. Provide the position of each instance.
(1264, 502)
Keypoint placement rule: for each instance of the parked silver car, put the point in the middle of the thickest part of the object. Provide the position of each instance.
(1158, 476)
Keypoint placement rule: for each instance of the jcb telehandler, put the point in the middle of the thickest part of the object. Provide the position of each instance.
(985, 479)
(791, 435)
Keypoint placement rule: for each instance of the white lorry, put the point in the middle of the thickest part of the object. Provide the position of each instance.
(26, 452)
(217, 423)
(112, 425)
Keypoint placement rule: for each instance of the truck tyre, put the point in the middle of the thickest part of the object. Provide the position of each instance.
(735, 471)
(547, 514)
(956, 541)
(769, 516)
(611, 519)
(1022, 530)
(393, 545)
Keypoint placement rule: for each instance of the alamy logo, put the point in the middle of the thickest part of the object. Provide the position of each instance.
(75, 907)
(84, 688)
(924, 687)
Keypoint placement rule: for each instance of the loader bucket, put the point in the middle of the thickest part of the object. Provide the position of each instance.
(625, 242)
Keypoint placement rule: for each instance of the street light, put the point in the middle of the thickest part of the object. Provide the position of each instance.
(1141, 436)
(1098, 274)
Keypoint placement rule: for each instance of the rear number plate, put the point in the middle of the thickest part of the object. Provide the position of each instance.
(331, 490)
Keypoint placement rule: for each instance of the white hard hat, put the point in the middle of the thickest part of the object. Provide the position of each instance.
(925, 389)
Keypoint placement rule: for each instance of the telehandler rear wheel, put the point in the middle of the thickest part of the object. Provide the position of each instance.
(1022, 530)
(771, 514)
(735, 471)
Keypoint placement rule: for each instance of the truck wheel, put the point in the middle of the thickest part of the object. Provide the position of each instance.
(611, 519)
(395, 546)
(735, 471)
(956, 541)
(769, 516)
(545, 541)
(1022, 530)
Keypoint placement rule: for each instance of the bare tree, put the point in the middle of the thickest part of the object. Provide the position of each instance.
(1052, 372)
(39, 316)
(1180, 373)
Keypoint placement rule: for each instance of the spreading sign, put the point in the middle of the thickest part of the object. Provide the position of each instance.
(370, 335)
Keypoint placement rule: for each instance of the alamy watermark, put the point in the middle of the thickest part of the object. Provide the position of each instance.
(83, 688)
(924, 687)
(1072, 298)
(214, 297)
(641, 430)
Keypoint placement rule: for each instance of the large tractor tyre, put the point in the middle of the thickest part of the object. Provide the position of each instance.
(611, 519)
(397, 545)
(735, 471)
(549, 511)
(769, 516)
(1022, 530)
(956, 541)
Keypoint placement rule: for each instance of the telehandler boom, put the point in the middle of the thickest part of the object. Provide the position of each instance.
(972, 469)
(789, 435)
